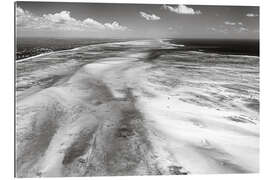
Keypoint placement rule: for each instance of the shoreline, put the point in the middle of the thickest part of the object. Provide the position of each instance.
(43, 54)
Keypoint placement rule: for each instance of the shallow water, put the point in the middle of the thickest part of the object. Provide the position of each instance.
(136, 108)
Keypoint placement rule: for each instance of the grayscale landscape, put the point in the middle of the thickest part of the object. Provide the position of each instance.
(135, 104)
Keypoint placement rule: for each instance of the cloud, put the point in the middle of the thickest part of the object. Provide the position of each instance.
(232, 28)
(62, 17)
(222, 30)
(229, 23)
(242, 29)
(91, 22)
(61, 21)
(115, 26)
(252, 15)
(25, 18)
(182, 9)
(212, 29)
(149, 17)
(236, 27)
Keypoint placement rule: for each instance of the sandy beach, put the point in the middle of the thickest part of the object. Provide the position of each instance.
(127, 109)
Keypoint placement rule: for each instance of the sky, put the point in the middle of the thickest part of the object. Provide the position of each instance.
(101, 20)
